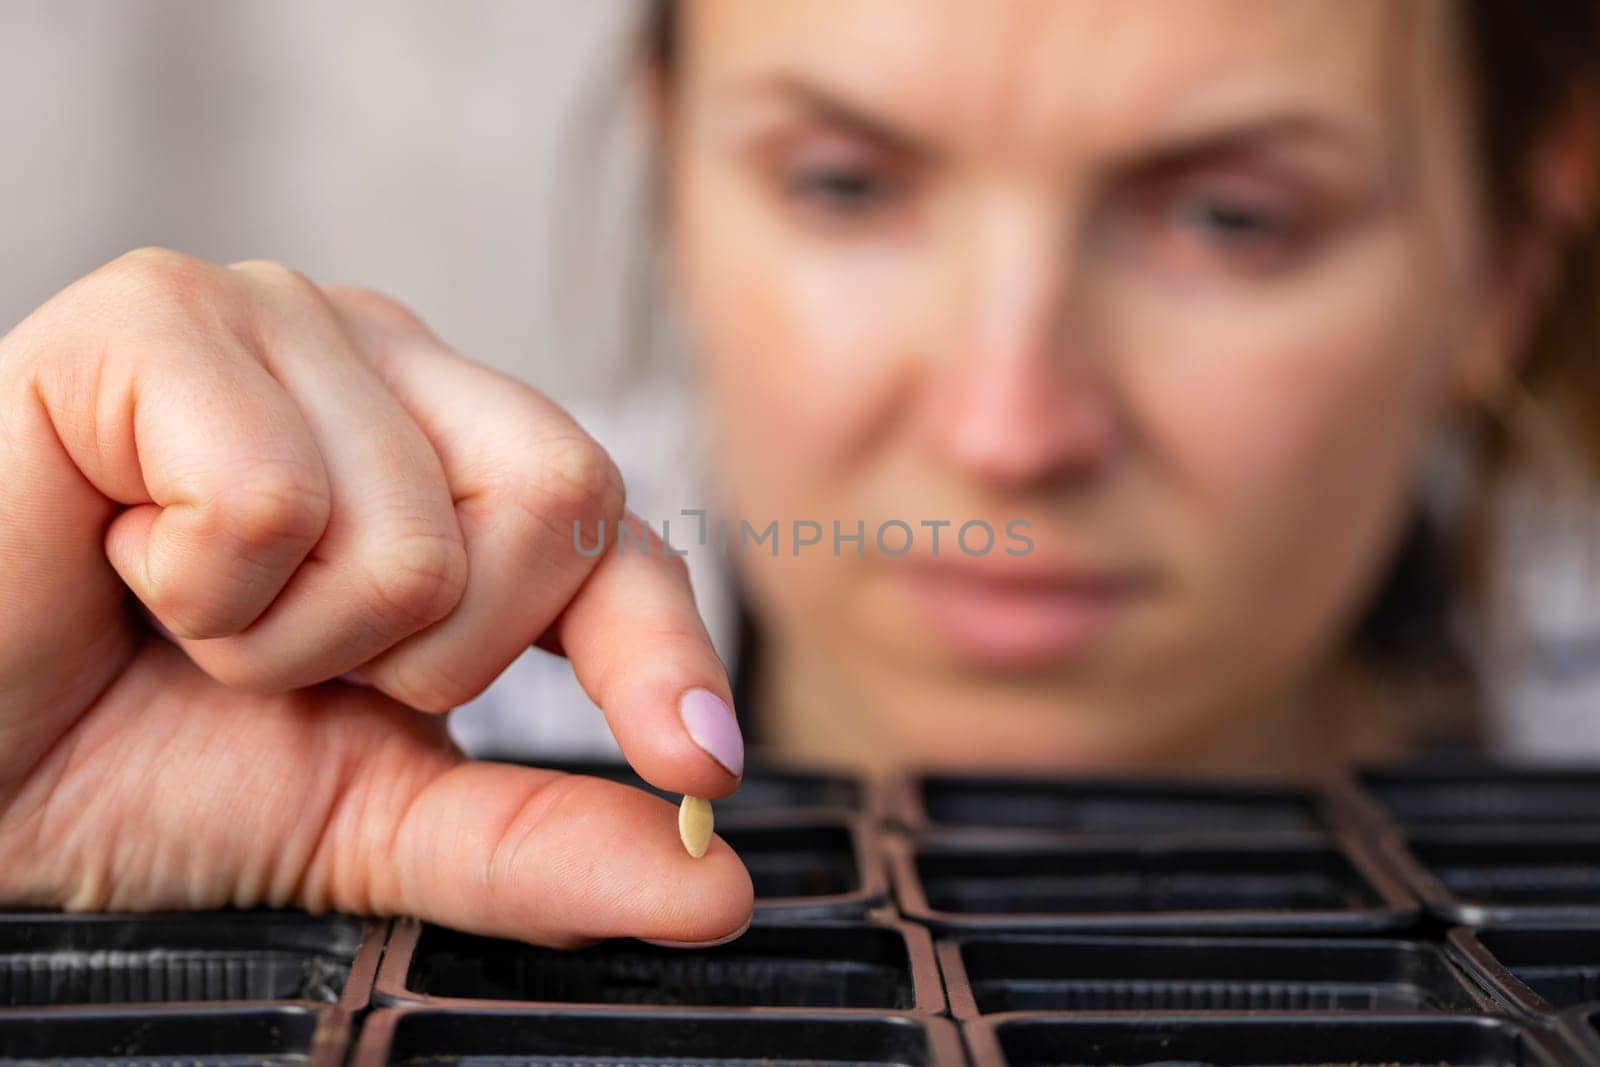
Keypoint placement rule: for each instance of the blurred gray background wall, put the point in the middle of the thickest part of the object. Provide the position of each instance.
(416, 147)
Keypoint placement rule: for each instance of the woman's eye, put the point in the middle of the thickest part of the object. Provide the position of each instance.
(840, 190)
(1233, 223)
(1201, 233)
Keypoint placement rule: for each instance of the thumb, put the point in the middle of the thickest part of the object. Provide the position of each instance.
(547, 857)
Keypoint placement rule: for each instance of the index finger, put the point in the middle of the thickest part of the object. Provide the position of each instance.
(627, 620)
(640, 650)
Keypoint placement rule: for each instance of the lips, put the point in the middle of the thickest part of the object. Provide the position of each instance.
(1012, 618)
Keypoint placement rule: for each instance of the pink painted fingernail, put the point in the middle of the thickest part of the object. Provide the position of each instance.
(712, 726)
(699, 944)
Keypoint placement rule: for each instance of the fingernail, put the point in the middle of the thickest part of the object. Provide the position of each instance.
(355, 678)
(712, 726)
(699, 944)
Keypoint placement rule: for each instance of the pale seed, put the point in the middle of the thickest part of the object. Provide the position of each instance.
(694, 825)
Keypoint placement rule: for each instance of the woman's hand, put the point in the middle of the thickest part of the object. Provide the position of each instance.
(297, 483)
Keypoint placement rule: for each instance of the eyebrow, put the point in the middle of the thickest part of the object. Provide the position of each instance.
(1233, 136)
(833, 109)
(1216, 138)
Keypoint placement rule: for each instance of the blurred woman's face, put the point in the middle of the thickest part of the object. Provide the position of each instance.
(1184, 287)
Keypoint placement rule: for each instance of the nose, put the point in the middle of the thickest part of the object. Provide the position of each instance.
(1020, 398)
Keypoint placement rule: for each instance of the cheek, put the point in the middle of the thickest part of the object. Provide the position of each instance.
(1284, 437)
(799, 341)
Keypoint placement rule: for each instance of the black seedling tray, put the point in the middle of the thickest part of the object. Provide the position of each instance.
(420, 1036)
(1473, 875)
(52, 958)
(1581, 1027)
(193, 1036)
(993, 974)
(1393, 1040)
(810, 863)
(1106, 807)
(876, 965)
(1278, 884)
(1081, 921)
(1535, 968)
(765, 786)
(1477, 794)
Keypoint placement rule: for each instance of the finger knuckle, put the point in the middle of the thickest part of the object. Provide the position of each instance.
(377, 306)
(186, 614)
(280, 278)
(276, 504)
(248, 675)
(154, 262)
(427, 684)
(574, 480)
(419, 578)
(171, 284)
(678, 565)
